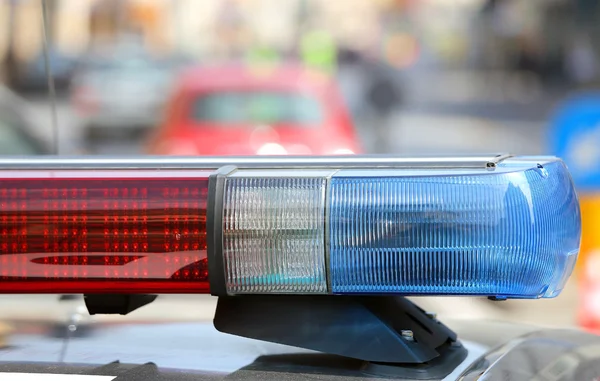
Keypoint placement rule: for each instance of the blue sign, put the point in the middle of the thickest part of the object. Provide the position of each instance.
(575, 137)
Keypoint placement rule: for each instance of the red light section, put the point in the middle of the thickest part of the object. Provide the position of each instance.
(103, 232)
(79, 260)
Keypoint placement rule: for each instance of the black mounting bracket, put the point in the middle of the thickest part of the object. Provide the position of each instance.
(378, 329)
(116, 303)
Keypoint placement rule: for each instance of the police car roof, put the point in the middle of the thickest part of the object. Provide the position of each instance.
(196, 351)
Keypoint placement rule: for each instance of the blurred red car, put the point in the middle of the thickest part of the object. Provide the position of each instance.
(236, 110)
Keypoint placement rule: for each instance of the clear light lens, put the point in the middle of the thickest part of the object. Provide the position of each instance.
(507, 233)
(273, 235)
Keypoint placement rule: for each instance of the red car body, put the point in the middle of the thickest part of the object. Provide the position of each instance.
(323, 128)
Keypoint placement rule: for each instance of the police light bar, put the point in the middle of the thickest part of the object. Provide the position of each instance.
(500, 226)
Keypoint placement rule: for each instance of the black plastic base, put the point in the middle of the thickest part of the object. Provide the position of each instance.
(378, 329)
(116, 303)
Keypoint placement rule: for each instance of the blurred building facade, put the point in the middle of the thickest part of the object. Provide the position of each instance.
(552, 39)
(209, 29)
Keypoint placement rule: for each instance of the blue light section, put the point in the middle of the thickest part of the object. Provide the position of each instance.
(511, 233)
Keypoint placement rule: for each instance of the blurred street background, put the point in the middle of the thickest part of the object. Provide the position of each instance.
(414, 77)
(463, 76)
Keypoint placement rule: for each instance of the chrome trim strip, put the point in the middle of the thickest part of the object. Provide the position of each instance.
(171, 162)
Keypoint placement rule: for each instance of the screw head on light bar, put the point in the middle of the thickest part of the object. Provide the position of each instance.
(497, 225)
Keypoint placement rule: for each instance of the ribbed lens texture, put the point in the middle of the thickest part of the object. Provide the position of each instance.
(509, 234)
(273, 235)
(111, 232)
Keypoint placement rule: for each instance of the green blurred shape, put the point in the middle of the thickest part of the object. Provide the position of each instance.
(318, 51)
